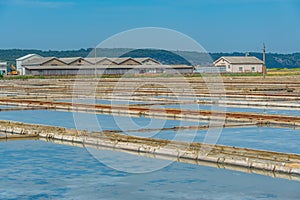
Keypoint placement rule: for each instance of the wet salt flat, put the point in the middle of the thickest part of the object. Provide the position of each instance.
(261, 110)
(41, 170)
(103, 101)
(229, 108)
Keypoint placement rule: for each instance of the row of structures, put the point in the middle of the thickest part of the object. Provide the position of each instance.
(34, 64)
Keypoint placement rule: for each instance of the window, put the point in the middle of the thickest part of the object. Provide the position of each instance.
(240, 69)
(253, 69)
(228, 66)
(53, 64)
(79, 63)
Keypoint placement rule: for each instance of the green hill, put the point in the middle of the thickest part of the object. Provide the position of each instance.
(274, 60)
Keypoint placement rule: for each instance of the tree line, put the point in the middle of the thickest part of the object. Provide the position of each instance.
(273, 60)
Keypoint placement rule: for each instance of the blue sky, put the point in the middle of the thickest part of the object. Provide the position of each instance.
(218, 25)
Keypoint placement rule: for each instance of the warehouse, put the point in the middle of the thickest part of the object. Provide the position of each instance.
(99, 65)
(240, 64)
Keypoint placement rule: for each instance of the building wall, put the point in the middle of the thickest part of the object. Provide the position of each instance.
(224, 64)
(239, 68)
(246, 68)
(57, 72)
(3, 68)
(219, 69)
(108, 71)
(19, 63)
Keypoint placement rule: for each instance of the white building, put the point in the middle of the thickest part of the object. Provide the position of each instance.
(26, 58)
(240, 64)
(3, 68)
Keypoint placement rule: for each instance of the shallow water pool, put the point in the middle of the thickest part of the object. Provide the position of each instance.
(42, 170)
(89, 121)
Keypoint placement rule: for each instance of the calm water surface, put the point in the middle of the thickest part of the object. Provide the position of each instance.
(265, 138)
(107, 122)
(41, 170)
(265, 110)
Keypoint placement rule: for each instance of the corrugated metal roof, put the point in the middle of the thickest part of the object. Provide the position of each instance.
(241, 60)
(26, 57)
(119, 60)
(95, 59)
(38, 61)
(70, 60)
(123, 59)
(142, 60)
(99, 59)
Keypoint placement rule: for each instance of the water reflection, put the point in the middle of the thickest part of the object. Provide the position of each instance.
(37, 170)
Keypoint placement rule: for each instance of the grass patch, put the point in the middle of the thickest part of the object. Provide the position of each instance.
(222, 74)
(109, 76)
(271, 72)
(24, 77)
(242, 74)
(284, 72)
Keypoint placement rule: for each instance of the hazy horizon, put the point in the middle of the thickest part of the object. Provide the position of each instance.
(229, 52)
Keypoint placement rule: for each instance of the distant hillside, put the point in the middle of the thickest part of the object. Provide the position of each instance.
(166, 57)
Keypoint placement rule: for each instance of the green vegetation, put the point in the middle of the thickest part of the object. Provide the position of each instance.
(284, 69)
(25, 77)
(274, 72)
(278, 61)
(224, 74)
(242, 74)
(163, 56)
(109, 76)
